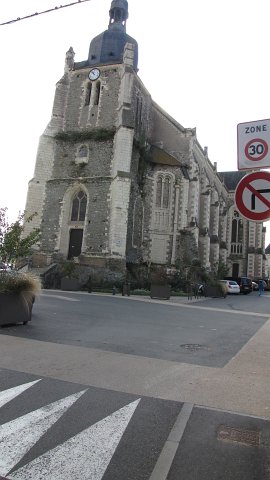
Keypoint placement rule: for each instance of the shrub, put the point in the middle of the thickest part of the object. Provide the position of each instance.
(14, 282)
(140, 291)
(68, 269)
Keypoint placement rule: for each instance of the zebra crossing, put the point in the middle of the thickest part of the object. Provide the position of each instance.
(56, 430)
(76, 436)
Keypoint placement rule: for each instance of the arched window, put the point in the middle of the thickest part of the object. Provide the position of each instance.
(234, 230)
(162, 201)
(237, 234)
(159, 192)
(166, 193)
(88, 94)
(79, 207)
(83, 151)
(97, 93)
(163, 191)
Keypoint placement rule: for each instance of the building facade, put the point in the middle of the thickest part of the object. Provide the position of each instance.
(118, 181)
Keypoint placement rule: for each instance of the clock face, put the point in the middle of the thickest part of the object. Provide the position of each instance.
(94, 74)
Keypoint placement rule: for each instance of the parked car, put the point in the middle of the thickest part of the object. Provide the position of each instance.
(244, 283)
(255, 286)
(231, 286)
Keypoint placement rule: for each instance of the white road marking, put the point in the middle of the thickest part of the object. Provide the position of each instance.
(19, 435)
(8, 395)
(60, 297)
(198, 307)
(164, 463)
(84, 456)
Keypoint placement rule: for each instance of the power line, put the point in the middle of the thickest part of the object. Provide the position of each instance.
(41, 13)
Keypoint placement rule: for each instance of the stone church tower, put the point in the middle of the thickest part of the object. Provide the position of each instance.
(118, 181)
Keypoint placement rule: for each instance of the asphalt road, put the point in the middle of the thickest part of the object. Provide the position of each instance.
(105, 388)
(154, 330)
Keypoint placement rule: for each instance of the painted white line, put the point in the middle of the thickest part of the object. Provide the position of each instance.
(185, 305)
(19, 435)
(60, 297)
(168, 452)
(85, 456)
(8, 395)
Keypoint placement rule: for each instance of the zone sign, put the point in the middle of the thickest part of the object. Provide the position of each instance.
(253, 144)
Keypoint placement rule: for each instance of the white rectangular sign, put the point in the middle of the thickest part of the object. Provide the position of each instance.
(253, 144)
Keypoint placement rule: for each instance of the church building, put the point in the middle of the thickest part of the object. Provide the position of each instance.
(120, 182)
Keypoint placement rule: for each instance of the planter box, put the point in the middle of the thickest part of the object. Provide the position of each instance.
(213, 291)
(70, 284)
(160, 291)
(15, 308)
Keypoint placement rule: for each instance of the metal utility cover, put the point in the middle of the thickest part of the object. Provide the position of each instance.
(237, 435)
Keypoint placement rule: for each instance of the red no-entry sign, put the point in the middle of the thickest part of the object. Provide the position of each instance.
(252, 196)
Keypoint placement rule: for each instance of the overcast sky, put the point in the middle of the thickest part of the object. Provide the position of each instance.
(205, 62)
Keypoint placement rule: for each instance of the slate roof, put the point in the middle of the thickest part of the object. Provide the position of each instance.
(267, 250)
(231, 179)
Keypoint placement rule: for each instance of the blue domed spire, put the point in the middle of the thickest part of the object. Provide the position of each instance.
(108, 47)
(118, 14)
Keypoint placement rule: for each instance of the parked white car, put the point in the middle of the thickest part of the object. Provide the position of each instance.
(231, 285)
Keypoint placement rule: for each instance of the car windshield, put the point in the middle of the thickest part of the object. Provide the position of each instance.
(233, 283)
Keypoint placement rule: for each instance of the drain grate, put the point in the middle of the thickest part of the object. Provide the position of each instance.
(238, 435)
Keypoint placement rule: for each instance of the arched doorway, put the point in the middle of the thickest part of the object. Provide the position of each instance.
(78, 212)
(75, 242)
(235, 270)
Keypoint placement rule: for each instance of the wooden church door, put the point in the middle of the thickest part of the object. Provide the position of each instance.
(75, 242)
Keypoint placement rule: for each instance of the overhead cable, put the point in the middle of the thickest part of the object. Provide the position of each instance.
(41, 13)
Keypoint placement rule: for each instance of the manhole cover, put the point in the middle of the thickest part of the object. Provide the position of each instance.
(193, 347)
(238, 435)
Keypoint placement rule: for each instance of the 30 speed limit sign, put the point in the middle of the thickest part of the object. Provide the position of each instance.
(253, 144)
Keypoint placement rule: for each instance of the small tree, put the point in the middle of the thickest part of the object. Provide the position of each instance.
(13, 244)
(3, 224)
(219, 270)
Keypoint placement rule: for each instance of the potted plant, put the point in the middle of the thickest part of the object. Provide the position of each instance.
(216, 289)
(17, 295)
(69, 276)
(159, 284)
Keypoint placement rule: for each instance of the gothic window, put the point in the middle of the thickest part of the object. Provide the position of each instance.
(88, 93)
(97, 93)
(83, 151)
(237, 234)
(234, 230)
(79, 207)
(158, 192)
(162, 202)
(163, 191)
(166, 193)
